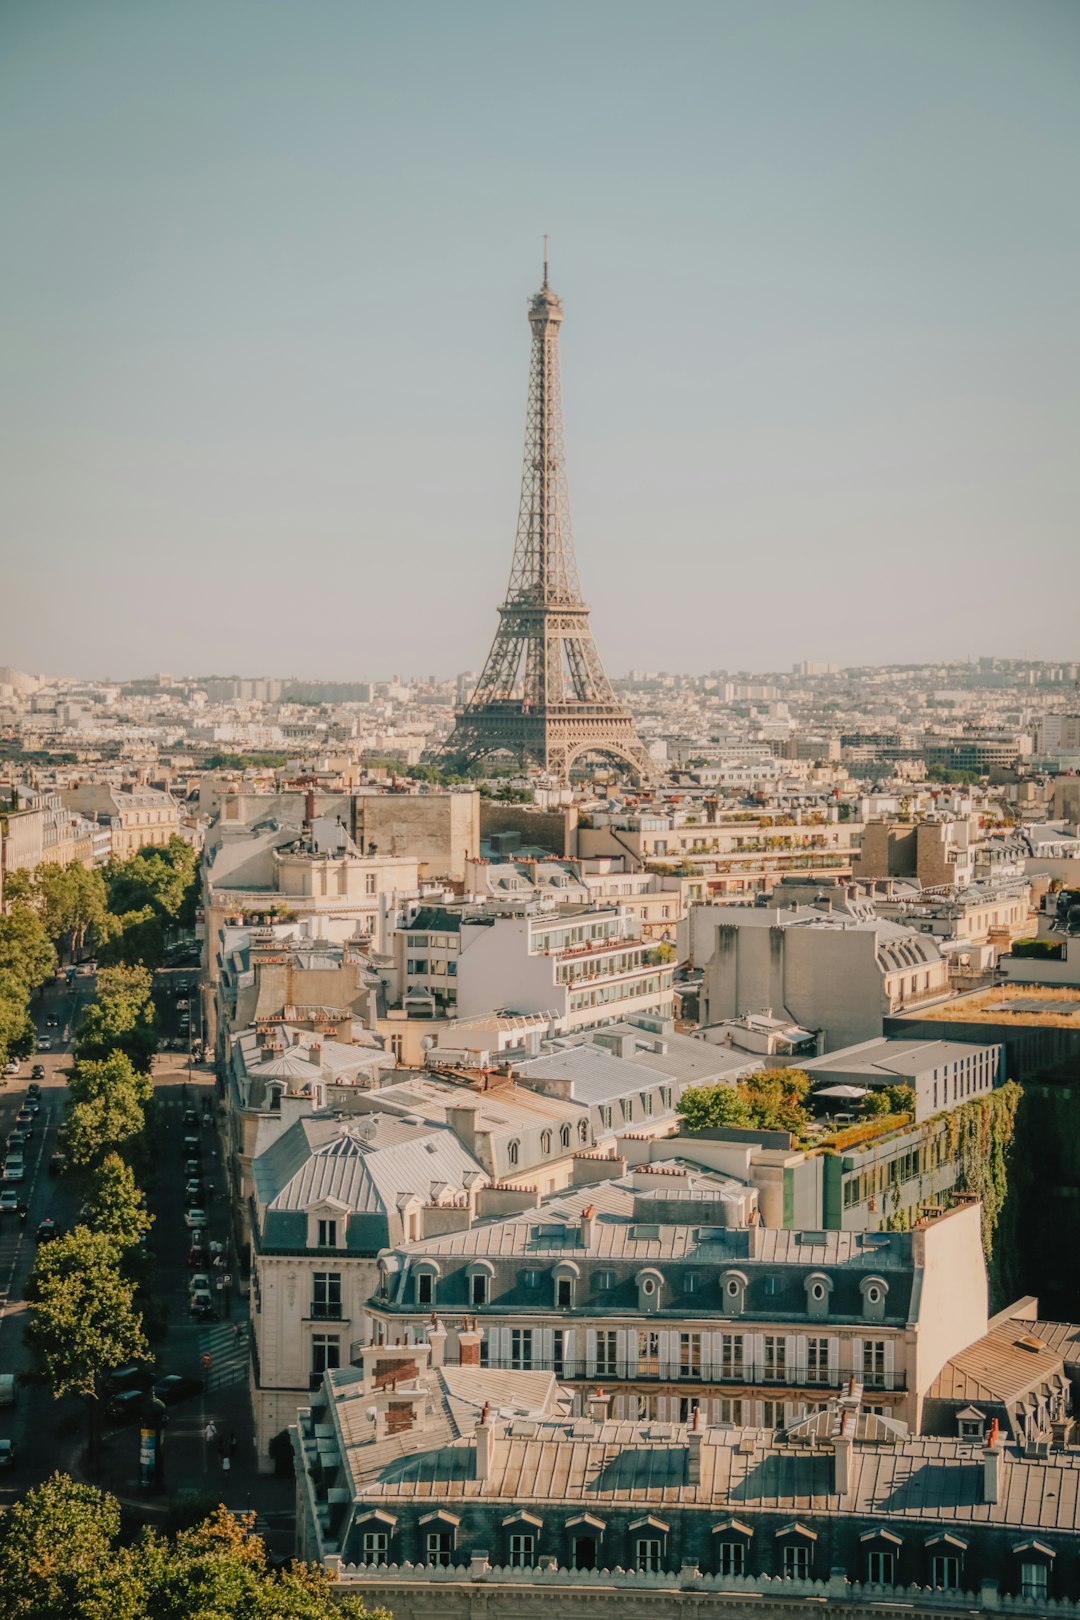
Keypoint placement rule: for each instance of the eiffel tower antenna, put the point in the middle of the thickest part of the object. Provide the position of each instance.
(543, 696)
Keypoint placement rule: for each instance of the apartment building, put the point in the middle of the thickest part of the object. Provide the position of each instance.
(735, 854)
(328, 1196)
(136, 815)
(837, 972)
(584, 965)
(666, 1288)
(425, 1486)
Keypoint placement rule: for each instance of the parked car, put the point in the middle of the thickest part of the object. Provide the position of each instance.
(57, 1163)
(134, 1375)
(195, 1218)
(7, 1453)
(192, 1170)
(174, 1387)
(191, 1118)
(16, 1141)
(202, 1307)
(194, 1191)
(14, 1167)
(127, 1406)
(182, 1003)
(197, 1252)
(192, 1147)
(9, 1201)
(11, 1068)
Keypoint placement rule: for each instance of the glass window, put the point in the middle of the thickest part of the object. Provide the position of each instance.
(564, 1136)
(522, 1550)
(731, 1355)
(690, 1355)
(1033, 1580)
(648, 1554)
(327, 1234)
(817, 1361)
(439, 1546)
(874, 1363)
(478, 1290)
(376, 1544)
(557, 1352)
(521, 1348)
(730, 1558)
(325, 1352)
(775, 1356)
(945, 1572)
(607, 1351)
(564, 1293)
(532, 1279)
(326, 1294)
(513, 1152)
(545, 1142)
(880, 1567)
(605, 1280)
(425, 1288)
(797, 1562)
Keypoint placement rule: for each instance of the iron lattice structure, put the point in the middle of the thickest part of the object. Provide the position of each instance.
(543, 696)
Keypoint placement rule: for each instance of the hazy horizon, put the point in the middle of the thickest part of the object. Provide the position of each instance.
(264, 302)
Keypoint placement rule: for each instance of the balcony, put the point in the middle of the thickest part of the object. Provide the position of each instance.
(747, 1375)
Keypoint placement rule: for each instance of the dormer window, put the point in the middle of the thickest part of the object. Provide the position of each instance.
(545, 1143)
(874, 1290)
(513, 1152)
(650, 1282)
(326, 1234)
(583, 1131)
(733, 1292)
(818, 1289)
(564, 1136)
(480, 1275)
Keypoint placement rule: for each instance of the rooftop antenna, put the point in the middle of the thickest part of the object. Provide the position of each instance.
(545, 262)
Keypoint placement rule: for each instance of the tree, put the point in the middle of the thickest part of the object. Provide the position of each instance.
(709, 1107)
(61, 1558)
(26, 954)
(56, 1551)
(114, 1206)
(137, 937)
(121, 1019)
(775, 1099)
(84, 1318)
(70, 900)
(104, 1122)
(18, 1036)
(98, 1077)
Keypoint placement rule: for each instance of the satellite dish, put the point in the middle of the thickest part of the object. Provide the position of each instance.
(427, 1042)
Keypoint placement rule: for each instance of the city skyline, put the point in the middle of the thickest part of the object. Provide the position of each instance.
(266, 291)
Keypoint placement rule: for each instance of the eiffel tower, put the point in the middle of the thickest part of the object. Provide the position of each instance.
(543, 696)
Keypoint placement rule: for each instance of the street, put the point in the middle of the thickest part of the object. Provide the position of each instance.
(49, 1434)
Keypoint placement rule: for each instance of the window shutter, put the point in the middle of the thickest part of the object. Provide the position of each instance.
(755, 1344)
(631, 1352)
(569, 1345)
(856, 1358)
(590, 1352)
(802, 1358)
(622, 1350)
(834, 1362)
(547, 1347)
(890, 1363)
(791, 1357)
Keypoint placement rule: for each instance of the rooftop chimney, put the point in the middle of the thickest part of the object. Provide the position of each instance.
(598, 1406)
(587, 1226)
(993, 1464)
(469, 1340)
(485, 1442)
(309, 807)
(436, 1338)
(693, 1449)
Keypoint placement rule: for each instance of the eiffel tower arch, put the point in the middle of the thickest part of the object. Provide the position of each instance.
(543, 697)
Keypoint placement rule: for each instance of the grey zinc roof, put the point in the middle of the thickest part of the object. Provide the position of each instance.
(923, 1480)
(597, 1076)
(368, 1170)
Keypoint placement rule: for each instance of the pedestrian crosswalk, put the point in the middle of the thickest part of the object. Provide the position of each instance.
(226, 1345)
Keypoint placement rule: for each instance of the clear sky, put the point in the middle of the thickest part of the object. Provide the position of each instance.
(263, 286)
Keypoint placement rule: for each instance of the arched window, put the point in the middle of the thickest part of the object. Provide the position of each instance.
(545, 1142)
(583, 1131)
(564, 1136)
(513, 1152)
